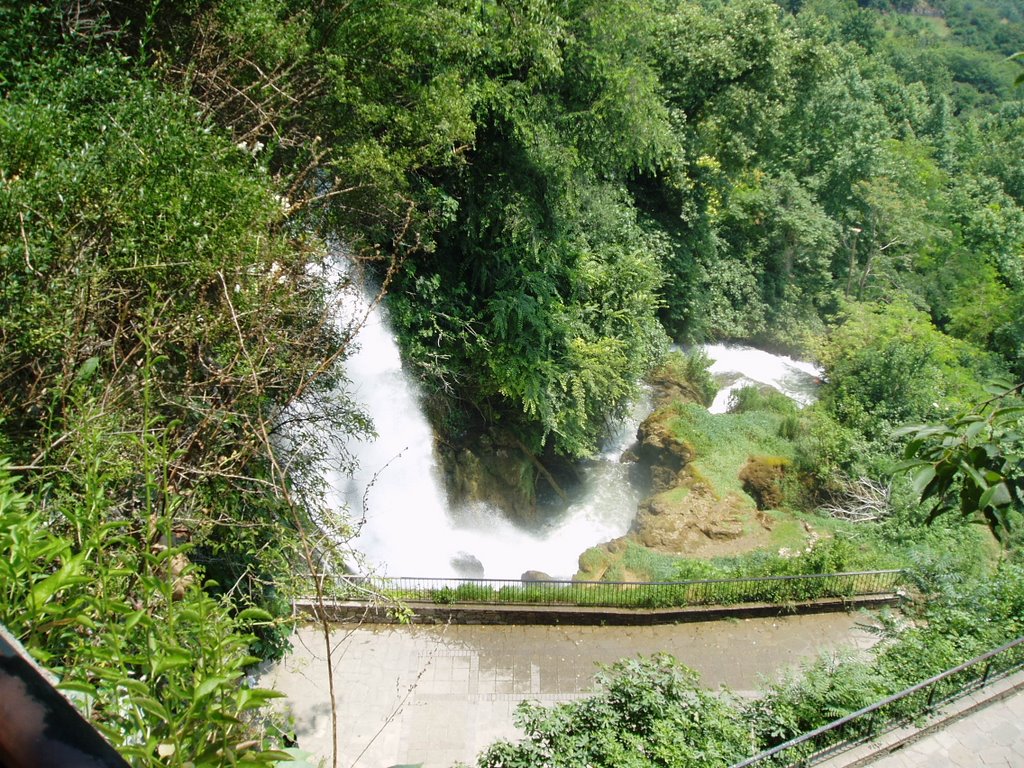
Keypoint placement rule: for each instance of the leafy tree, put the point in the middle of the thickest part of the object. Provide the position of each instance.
(543, 270)
(887, 365)
(774, 227)
(974, 463)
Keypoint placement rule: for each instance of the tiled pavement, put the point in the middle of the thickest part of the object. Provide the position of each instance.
(434, 695)
(991, 735)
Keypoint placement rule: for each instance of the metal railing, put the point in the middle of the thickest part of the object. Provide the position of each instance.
(892, 712)
(667, 594)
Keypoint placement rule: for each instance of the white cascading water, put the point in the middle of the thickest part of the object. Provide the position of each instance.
(410, 529)
(745, 366)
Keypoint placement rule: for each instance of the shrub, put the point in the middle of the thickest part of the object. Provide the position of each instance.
(161, 671)
(762, 477)
(646, 712)
(753, 398)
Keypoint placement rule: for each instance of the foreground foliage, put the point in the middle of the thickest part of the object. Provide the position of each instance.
(974, 463)
(158, 322)
(156, 663)
(647, 712)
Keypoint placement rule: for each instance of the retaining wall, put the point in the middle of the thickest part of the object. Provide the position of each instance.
(490, 613)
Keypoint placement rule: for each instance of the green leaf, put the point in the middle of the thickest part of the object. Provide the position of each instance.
(153, 707)
(996, 496)
(906, 466)
(975, 429)
(255, 614)
(67, 574)
(210, 684)
(134, 618)
(87, 369)
(974, 474)
(923, 478)
(170, 660)
(1009, 410)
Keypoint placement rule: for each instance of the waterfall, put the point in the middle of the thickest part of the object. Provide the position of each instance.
(744, 366)
(411, 529)
(396, 482)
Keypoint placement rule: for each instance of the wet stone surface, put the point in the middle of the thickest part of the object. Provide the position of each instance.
(439, 694)
(990, 736)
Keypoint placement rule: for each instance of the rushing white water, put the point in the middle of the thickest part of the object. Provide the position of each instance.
(743, 366)
(410, 528)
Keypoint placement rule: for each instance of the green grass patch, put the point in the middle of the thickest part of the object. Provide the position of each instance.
(724, 442)
(787, 531)
(649, 563)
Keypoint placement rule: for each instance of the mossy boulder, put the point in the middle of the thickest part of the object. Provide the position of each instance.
(596, 562)
(763, 478)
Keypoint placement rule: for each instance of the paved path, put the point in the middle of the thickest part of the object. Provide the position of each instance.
(990, 736)
(983, 728)
(436, 695)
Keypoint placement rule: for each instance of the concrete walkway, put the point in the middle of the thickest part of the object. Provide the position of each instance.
(434, 695)
(984, 728)
(991, 736)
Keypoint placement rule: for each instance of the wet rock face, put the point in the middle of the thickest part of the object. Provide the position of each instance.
(497, 469)
(660, 451)
(493, 470)
(467, 566)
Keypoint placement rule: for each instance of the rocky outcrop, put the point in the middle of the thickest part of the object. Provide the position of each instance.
(660, 452)
(669, 384)
(467, 566)
(595, 563)
(684, 518)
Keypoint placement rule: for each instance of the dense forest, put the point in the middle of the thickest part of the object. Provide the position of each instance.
(546, 194)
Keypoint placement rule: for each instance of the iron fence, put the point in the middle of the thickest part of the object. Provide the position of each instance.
(668, 594)
(892, 712)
